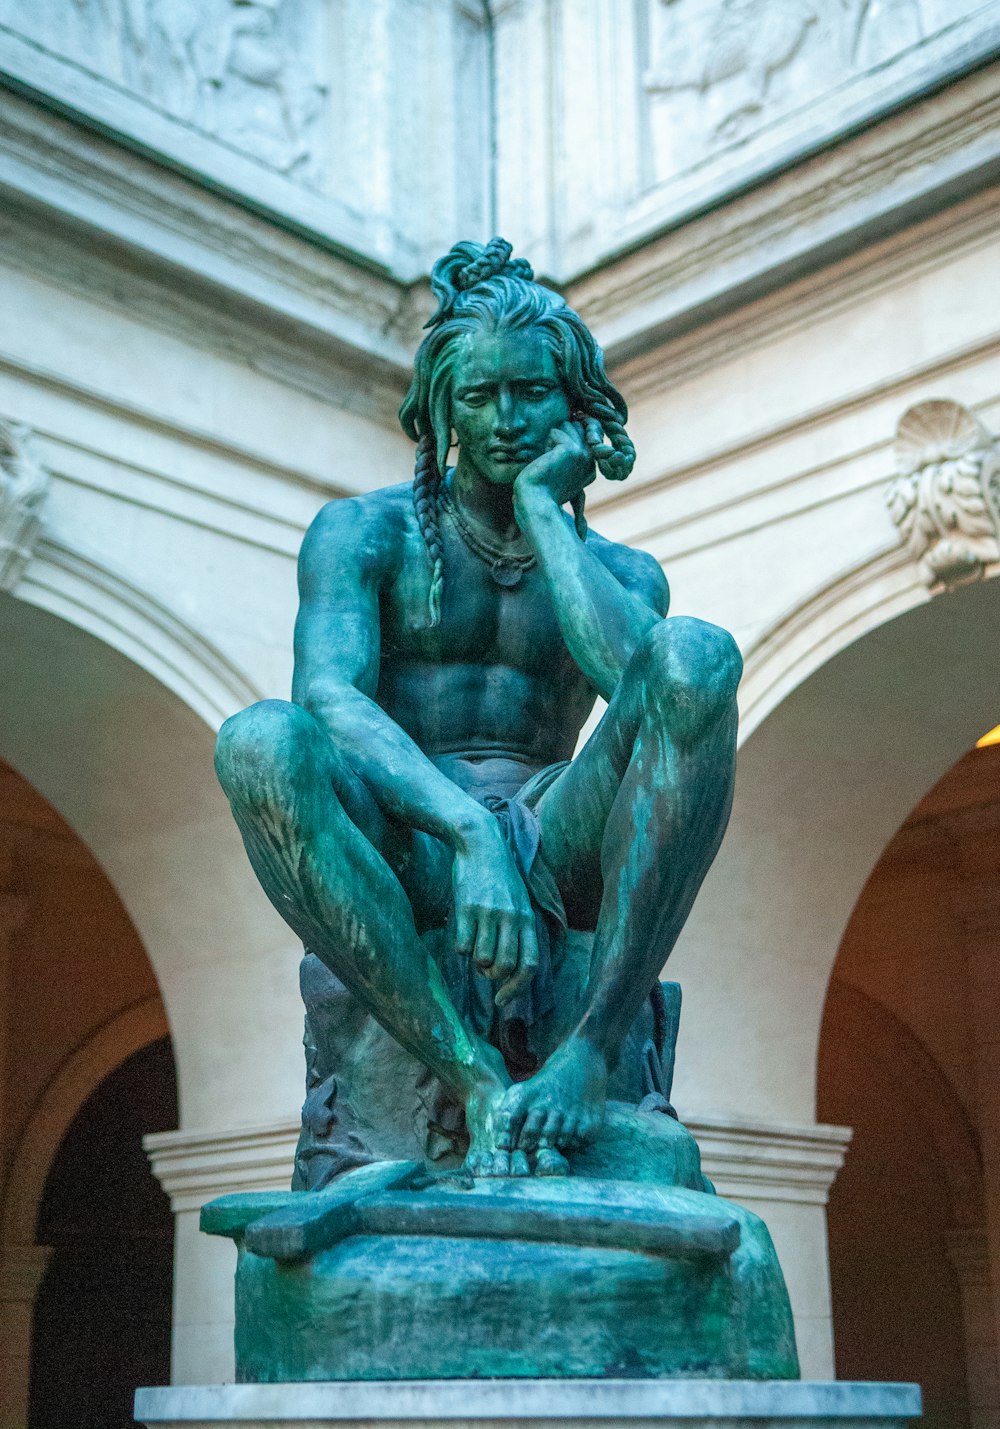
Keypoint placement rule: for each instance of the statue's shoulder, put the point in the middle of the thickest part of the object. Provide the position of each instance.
(367, 529)
(637, 571)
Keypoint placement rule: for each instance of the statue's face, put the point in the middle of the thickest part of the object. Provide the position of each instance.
(506, 397)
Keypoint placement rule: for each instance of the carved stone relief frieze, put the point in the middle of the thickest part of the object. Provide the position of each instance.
(719, 71)
(945, 500)
(24, 482)
(245, 71)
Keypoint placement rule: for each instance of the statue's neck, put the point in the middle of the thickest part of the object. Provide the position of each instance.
(487, 503)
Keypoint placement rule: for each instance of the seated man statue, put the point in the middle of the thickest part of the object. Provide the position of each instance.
(416, 814)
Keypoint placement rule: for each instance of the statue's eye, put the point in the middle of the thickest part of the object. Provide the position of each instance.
(538, 391)
(474, 398)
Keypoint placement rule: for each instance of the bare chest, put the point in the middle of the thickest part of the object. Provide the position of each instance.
(485, 621)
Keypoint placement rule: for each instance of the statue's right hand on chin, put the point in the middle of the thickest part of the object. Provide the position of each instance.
(493, 918)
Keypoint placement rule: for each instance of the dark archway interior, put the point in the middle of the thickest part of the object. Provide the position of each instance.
(897, 1309)
(102, 1319)
(904, 1061)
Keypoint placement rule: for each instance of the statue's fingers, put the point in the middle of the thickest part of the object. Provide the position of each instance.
(486, 945)
(519, 1164)
(505, 962)
(527, 952)
(465, 931)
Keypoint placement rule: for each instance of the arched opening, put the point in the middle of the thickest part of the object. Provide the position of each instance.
(86, 1066)
(823, 784)
(102, 1317)
(121, 768)
(907, 1060)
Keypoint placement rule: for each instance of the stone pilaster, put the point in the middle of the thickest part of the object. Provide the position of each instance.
(194, 1167)
(977, 903)
(783, 1172)
(21, 1271)
(969, 1253)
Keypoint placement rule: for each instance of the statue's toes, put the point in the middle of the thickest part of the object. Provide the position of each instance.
(499, 1164)
(510, 1117)
(474, 1163)
(553, 1132)
(532, 1128)
(550, 1162)
(519, 1164)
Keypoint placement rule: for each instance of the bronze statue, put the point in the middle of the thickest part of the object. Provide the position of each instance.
(415, 813)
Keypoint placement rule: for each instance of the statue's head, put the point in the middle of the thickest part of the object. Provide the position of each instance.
(494, 319)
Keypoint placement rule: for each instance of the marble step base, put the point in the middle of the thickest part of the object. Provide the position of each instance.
(534, 1403)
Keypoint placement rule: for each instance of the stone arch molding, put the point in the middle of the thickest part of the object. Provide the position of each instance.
(878, 1036)
(854, 705)
(80, 1074)
(45, 572)
(944, 504)
(104, 604)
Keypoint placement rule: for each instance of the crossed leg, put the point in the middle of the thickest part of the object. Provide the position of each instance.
(629, 830)
(314, 835)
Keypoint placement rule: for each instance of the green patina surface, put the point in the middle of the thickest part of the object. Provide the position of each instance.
(487, 913)
(392, 1273)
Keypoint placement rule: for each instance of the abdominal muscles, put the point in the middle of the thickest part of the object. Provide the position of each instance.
(490, 724)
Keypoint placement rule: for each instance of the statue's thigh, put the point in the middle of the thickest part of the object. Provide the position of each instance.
(573, 814)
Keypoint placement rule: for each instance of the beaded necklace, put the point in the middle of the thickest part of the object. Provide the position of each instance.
(506, 567)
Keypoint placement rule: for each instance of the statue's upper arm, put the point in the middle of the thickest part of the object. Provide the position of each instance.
(341, 567)
(639, 572)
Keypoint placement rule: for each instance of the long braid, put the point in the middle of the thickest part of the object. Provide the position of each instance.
(426, 503)
(493, 260)
(617, 463)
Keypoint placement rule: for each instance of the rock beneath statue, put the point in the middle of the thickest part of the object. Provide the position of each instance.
(393, 1272)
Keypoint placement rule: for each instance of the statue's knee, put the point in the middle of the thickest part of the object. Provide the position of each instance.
(264, 737)
(692, 666)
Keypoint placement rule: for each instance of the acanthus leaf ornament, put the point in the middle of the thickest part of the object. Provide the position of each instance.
(24, 483)
(945, 499)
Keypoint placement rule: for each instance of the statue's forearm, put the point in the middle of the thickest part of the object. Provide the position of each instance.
(401, 778)
(602, 622)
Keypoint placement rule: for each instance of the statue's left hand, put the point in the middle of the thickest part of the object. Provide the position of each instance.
(564, 470)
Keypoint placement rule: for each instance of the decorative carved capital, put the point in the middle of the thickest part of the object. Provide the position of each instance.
(945, 500)
(24, 482)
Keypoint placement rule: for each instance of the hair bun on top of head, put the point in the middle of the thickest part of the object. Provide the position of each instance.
(467, 264)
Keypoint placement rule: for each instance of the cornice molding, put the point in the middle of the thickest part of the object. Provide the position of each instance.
(180, 231)
(857, 192)
(756, 1160)
(313, 314)
(195, 1166)
(770, 1161)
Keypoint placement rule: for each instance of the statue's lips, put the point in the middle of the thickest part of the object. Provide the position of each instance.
(512, 456)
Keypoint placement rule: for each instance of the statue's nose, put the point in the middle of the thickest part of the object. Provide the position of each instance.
(510, 419)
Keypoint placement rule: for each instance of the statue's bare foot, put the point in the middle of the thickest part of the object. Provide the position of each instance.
(562, 1105)
(489, 1154)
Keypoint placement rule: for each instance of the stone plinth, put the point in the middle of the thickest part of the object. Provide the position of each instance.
(490, 1404)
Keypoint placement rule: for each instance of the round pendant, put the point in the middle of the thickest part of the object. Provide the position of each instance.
(506, 575)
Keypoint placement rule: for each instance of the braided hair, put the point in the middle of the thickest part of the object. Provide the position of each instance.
(481, 287)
